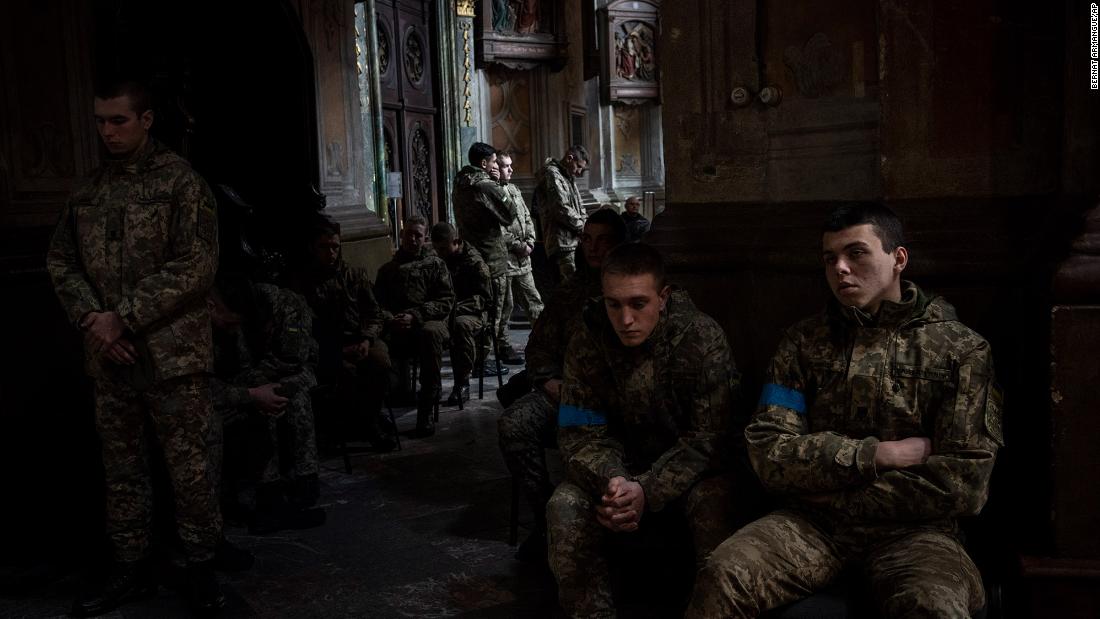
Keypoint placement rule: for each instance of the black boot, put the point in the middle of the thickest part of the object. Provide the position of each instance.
(425, 413)
(382, 435)
(204, 595)
(126, 581)
(460, 394)
(230, 558)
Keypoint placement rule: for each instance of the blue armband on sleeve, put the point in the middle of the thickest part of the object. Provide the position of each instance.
(570, 416)
(786, 397)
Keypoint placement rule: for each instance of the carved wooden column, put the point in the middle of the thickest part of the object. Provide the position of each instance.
(330, 28)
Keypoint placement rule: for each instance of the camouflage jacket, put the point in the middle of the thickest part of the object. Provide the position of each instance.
(278, 348)
(419, 285)
(550, 334)
(660, 413)
(141, 238)
(521, 232)
(636, 226)
(842, 381)
(471, 282)
(342, 299)
(560, 208)
(482, 206)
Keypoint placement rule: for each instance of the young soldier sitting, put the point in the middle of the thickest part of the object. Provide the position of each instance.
(473, 293)
(877, 430)
(644, 427)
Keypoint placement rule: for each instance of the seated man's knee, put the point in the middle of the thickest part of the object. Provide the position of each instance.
(568, 506)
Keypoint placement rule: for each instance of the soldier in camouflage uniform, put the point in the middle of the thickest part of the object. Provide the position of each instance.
(414, 290)
(473, 294)
(529, 426)
(353, 358)
(520, 240)
(644, 427)
(482, 208)
(559, 207)
(264, 360)
(131, 261)
(877, 430)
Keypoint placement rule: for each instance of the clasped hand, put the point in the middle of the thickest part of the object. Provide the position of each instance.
(622, 505)
(103, 336)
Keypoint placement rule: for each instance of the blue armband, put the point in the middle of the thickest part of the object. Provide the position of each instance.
(570, 416)
(778, 395)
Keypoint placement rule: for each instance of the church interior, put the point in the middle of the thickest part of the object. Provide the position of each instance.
(738, 122)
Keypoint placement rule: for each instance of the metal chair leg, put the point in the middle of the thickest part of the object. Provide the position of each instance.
(393, 422)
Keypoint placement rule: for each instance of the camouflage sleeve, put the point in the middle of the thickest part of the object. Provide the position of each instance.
(371, 320)
(559, 207)
(476, 303)
(73, 289)
(545, 352)
(228, 394)
(382, 291)
(496, 202)
(706, 392)
(955, 479)
(591, 455)
(192, 261)
(787, 457)
(441, 296)
(294, 351)
(526, 223)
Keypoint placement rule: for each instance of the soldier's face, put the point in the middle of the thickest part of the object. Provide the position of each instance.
(596, 241)
(574, 166)
(122, 129)
(446, 249)
(634, 304)
(860, 272)
(632, 205)
(505, 168)
(412, 238)
(326, 250)
(492, 167)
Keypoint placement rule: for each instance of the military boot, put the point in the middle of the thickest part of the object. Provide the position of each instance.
(204, 595)
(126, 581)
(425, 413)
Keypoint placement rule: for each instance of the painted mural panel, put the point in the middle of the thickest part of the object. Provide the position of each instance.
(510, 109)
(628, 143)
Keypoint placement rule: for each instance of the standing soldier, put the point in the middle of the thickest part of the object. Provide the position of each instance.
(482, 209)
(877, 429)
(131, 260)
(645, 428)
(415, 292)
(520, 240)
(559, 207)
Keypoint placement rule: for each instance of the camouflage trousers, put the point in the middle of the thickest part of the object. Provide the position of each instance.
(179, 413)
(576, 540)
(465, 347)
(912, 571)
(525, 430)
(423, 343)
(521, 290)
(500, 320)
(285, 447)
(566, 259)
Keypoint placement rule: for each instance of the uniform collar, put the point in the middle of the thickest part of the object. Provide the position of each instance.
(890, 313)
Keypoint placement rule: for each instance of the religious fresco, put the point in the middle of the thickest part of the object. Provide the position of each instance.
(628, 44)
(521, 34)
(510, 111)
(519, 16)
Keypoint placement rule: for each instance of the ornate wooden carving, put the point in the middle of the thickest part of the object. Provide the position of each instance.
(521, 34)
(420, 157)
(628, 43)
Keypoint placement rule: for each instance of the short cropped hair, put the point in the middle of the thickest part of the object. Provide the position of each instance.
(415, 220)
(608, 217)
(141, 98)
(443, 232)
(635, 259)
(479, 152)
(884, 221)
(579, 152)
(323, 225)
(505, 153)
